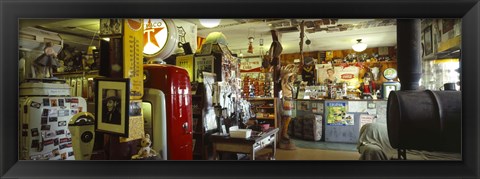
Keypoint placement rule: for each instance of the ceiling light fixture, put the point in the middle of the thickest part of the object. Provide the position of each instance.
(359, 46)
(210, 23)
(250, 46)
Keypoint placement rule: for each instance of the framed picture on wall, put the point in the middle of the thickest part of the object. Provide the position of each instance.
(111, 27)
(427, 40)
(203, 64)
(112, 105)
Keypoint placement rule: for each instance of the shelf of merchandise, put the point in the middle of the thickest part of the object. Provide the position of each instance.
(266, 118)
(267, 104)
(77, 73)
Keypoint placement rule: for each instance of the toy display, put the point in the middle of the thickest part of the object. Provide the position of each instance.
(145, 151)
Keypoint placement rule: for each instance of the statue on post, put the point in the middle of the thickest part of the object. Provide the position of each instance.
(288, 74)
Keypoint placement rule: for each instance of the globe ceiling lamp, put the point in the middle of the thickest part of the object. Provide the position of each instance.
(359, 46)
(210, 23)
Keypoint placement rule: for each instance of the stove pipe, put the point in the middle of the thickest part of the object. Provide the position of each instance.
(409, 50)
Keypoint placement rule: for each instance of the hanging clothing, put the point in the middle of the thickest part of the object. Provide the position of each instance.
(308, 74)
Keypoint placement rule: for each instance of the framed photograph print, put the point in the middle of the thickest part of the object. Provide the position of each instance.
(111, 27)
(112, 105)
(427, 38)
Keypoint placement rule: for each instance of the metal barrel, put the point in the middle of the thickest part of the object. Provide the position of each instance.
(425, 120)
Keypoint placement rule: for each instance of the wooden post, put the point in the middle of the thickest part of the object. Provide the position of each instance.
(274, 52)
(302, 35)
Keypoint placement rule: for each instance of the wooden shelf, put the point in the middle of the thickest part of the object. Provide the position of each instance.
(264, 104)
(367, 63)
(76, 72)
(265, 107)
(267, 118)
(259, 99)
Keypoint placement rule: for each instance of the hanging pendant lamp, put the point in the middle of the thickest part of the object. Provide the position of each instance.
(359, 46)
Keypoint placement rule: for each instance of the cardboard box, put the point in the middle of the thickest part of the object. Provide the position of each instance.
(240, 133)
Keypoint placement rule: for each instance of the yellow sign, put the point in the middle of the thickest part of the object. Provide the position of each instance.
(186, 62)
(133, 56)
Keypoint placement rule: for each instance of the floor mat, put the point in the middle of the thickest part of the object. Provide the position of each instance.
(324, 145)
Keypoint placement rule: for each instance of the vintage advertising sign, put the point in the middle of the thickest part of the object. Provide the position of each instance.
(186, 61)
(347, 75)
(155, 36)
(203, 64)
(336, 113)
(250, 65)
(322, 72)
(133, 56)
(160, 38)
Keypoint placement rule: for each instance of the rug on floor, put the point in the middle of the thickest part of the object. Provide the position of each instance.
(324, 145)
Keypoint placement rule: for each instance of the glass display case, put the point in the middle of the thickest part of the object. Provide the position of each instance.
(438, 72)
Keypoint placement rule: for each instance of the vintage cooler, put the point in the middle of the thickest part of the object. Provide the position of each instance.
(174, 82)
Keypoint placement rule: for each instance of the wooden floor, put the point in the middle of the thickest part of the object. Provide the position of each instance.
(315, 154)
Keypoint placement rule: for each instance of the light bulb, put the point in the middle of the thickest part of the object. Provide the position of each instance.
(210, 23)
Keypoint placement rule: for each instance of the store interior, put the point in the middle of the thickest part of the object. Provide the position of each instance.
(239, 89)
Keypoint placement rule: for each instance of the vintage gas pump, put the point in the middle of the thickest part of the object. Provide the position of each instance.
(390, 85)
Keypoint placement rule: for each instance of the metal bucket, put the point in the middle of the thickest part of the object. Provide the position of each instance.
(425, 120)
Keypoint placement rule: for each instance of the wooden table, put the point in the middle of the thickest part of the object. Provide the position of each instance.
(225, 143)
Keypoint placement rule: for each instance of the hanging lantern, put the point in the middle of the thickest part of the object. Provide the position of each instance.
(250, 45)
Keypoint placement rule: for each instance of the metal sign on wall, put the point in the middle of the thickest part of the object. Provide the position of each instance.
(186, 61)
(250, 64)
(133, 56)
(160, 38)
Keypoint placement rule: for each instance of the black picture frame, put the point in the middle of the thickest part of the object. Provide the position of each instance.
(111, 27)
(118, 122)
(428, 40)
(203, 64)
(468, 10)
